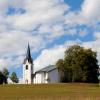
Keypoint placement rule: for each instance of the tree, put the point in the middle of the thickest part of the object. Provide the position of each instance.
(79, 65)
(14, 77)
(5, 73)
(60, 65)
(1, 77)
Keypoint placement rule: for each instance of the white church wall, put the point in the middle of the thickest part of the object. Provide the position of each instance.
(39, 78)
(53, 76)
(46, 77)
(27, 73)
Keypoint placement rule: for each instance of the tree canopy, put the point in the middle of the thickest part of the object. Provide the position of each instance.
(79, 65)
(3, 79)
(14, 77)
(5, 72)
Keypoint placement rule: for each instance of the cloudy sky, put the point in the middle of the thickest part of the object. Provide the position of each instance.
(50, 26)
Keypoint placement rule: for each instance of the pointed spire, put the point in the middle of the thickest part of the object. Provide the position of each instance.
(28, 55)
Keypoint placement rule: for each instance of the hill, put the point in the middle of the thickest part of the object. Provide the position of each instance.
(73, 91)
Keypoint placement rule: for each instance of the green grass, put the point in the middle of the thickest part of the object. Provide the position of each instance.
(50, 92)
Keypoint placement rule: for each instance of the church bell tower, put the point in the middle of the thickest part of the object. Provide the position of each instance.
(28, 67)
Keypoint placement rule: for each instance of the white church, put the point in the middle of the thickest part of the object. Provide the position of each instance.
(48, 74)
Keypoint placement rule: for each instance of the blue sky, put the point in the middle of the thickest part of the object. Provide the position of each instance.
(50, 26)
(74, 4)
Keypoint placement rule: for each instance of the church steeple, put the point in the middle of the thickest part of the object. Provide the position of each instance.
(28, 55)
(28, 67)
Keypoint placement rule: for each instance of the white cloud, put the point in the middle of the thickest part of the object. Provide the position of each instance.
(90, 9)
(37, 12)
(3, 6)
(16, 29)
(50, 56)
(16, 3)
(97, 35)
(74, 18)
(57, 31)
(94, 45)
(3, 64)
(88, 13)
(13, 46)
(48, 18)
(16, 41)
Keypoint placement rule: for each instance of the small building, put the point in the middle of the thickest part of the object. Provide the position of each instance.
(48, 74)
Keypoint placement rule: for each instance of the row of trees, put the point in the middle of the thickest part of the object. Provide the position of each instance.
(4, 75)
(79, 65)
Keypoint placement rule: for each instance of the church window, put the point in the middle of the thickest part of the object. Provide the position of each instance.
(26, 67)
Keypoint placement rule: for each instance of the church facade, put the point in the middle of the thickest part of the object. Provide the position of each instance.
(48, 74)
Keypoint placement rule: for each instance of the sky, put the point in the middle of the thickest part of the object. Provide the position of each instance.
(50, 27)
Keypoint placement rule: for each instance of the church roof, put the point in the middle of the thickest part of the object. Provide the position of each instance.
(48, 68)
(28, 55)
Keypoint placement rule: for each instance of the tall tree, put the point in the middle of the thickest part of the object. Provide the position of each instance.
(1, 78)
(5, 73)
(14, 77)
(60, 65)
(80, 65)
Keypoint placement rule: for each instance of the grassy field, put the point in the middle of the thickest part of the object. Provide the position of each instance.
(50, 92)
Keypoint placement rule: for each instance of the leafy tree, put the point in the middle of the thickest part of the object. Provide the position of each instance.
(5, 73)
(60, 65)
(1, 78)
(14, 77)
(79, 65)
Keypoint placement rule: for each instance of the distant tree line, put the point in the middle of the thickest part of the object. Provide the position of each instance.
(4, 75)
(79, 65)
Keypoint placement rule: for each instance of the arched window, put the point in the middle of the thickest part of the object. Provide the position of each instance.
(26, 67)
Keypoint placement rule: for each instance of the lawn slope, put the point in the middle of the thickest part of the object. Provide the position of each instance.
(50, 92)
